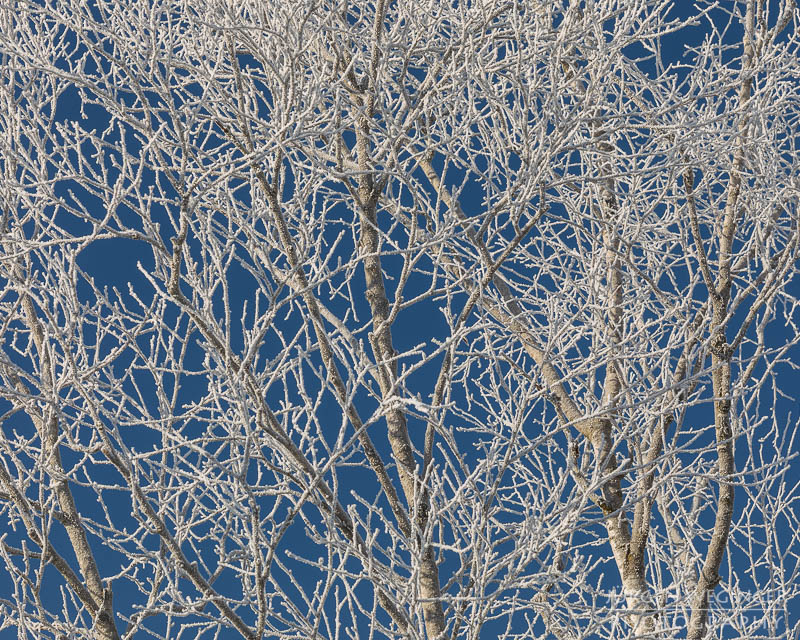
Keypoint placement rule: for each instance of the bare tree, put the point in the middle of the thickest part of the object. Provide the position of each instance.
(409, 319)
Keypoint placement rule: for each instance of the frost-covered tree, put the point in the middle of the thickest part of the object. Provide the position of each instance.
(399, 319)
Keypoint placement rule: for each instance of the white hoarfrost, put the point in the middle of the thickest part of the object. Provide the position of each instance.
(409, 319)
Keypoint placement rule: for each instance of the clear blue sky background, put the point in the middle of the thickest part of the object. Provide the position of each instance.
(113, 263)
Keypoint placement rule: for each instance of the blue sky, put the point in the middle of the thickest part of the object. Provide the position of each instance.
(122, 265)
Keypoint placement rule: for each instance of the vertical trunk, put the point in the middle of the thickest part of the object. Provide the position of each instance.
(381, 338)
(721, 377)
(628, 556)
(47, 424)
